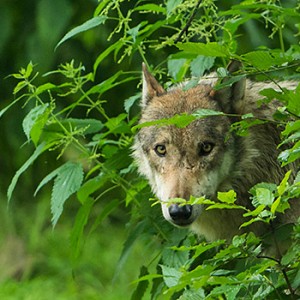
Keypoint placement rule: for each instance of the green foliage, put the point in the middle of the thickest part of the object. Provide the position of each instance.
(93, 150)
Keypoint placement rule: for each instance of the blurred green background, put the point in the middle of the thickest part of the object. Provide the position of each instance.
(35, 260)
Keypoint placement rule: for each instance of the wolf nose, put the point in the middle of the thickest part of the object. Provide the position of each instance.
(180, 214)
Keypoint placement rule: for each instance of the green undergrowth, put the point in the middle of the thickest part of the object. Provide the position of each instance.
(36, 260)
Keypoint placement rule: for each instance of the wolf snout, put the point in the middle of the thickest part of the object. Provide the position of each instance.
(181, 214)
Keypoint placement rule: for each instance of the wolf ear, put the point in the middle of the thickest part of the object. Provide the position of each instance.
(231, 96)
(151, 87)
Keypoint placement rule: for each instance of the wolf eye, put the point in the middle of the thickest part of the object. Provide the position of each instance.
(205, 148)
(160, 150)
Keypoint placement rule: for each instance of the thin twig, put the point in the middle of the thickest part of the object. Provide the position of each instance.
(188, 24)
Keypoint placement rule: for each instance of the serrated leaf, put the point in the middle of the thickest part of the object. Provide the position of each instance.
(38, 151)
(264, 60)
(171, 276)
(34, 122)
(66, 183)
(94, 22)
(210, 49)
(178, 120)
(31, 117)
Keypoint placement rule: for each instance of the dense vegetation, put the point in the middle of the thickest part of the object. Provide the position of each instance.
(78, 122)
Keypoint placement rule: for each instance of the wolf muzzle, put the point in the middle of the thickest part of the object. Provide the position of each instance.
(181, 215)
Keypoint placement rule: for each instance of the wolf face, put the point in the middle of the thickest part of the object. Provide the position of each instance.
(203, 157)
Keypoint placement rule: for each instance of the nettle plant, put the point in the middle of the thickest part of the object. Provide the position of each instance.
(200, 36)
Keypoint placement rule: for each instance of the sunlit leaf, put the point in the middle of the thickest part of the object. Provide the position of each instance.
(67, 182)
(94, 22)
(210, 49)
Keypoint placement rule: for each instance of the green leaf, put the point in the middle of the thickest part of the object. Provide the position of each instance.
(290, 155)
(180, 121)
(128, 103)
(134, 32)
(291, 127)
(45, 87)
(264, 60)
(201, 64)
(20, 86)
(77, 233)
(210, 49)
(117, 125)
(172, 4)
(66, 183)
(171, 276)
(263, 196)
(151, 8)
(35, 121)
(119, 160)
(94, 22)
(49, 177)
(38, 151)
(284, 183)
(114, 47)
(90, 186)
(2, 111)
(142, 285)
(229, 82)
(105, 212)
(227, 197)
(31, 118)
(177, 68)
(203, 113)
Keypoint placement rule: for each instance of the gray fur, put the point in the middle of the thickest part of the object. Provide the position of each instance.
(234, 163)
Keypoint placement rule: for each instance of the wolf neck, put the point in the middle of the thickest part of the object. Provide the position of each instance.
(256, 161)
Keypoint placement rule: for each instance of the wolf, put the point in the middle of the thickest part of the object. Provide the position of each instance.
(206, 156)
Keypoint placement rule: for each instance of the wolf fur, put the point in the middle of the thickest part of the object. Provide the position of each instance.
(206, 157)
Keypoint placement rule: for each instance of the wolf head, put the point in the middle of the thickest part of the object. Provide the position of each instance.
(195, 160)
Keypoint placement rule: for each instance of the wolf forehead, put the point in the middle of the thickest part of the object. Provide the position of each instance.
(179, 100)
